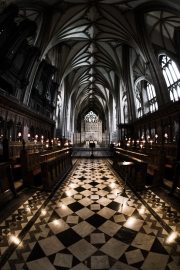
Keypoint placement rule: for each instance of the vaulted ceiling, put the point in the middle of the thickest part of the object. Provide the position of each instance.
(84, 39)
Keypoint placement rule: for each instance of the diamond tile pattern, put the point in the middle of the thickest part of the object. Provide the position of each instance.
(86, 225)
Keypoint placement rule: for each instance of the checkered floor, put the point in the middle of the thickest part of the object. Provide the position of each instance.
(90, 222)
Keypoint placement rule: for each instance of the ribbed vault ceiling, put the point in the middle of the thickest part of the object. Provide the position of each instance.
(87, 37)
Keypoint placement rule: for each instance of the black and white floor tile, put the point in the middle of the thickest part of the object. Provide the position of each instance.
(167, 213)
(90, 222)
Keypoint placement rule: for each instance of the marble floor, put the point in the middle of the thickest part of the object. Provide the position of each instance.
(92, 221)
(88, 152)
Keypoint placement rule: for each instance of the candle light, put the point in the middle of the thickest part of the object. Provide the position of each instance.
(66, 143)
(156, 136)
(36, 136)
(47, 143)
(59, 143)
(151, 143)
(19, 136)
(166, 137)
(118, 144)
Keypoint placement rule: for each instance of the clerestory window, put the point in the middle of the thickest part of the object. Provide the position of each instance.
(153, 106)
(139, 107)
(145, 98)
(171, 75)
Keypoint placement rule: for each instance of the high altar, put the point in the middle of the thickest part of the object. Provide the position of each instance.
(91, 129)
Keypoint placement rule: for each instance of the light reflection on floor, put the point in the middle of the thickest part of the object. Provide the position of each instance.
(90, 223)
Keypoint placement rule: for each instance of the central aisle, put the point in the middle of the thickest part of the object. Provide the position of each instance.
(90, 223)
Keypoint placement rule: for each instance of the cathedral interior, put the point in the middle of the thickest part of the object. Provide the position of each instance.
(89, 134)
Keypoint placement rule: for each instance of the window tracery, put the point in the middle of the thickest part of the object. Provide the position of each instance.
(171, 75)
(139, 106)
(145, 98)
(151, 97)
(91, 117)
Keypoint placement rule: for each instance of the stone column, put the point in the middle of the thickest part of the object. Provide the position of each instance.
(162, 94)
(127, 82)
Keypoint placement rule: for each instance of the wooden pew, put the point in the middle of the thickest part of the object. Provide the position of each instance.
(175, 190)
(155, 164)
(171, 156)
(52, 168)
(7, 190)
(15, 149)
(170, 167)
(156, 168)
(44, 168)
(30, 168)
(136, 174)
